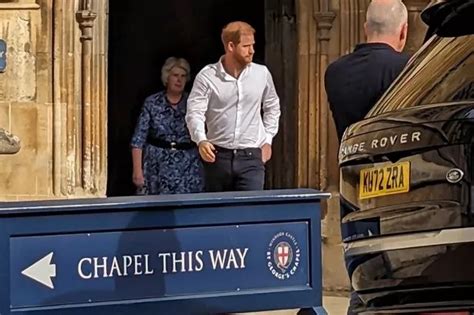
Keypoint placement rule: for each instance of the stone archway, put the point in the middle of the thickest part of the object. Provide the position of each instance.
(184, 28)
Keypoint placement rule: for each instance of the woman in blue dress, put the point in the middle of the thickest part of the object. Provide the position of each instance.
(165, 160)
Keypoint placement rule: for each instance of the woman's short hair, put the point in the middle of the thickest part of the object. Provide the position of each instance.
(172, 62)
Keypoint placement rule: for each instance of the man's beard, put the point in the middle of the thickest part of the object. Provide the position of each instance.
(242, 60)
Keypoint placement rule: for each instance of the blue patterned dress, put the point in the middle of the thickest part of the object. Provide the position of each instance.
(167, 171)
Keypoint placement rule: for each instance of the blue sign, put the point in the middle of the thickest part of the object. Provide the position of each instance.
(195, 254)
(3, 55)
(157, 264)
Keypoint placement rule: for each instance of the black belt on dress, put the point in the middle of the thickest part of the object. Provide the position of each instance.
(171, 145)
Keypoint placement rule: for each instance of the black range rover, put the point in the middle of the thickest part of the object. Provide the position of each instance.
(406, 178)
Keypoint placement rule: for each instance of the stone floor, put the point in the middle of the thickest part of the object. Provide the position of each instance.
(333, 305)
(336, 305)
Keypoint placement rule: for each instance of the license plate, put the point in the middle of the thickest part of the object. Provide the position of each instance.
(384, 180)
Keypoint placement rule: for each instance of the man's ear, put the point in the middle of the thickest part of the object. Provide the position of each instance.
(365, 30)
(230, 46)
(404, 32)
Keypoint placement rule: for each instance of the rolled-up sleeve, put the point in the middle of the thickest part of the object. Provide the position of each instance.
(198, 102)
(271, 109)
(143, 125)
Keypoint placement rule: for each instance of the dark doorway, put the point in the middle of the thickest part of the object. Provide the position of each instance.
(142, 34)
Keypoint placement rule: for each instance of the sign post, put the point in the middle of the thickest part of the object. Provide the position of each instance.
(3, 55)
(177, 254)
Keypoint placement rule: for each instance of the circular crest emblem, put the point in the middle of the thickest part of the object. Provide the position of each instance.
(283, 256)
(454, 175)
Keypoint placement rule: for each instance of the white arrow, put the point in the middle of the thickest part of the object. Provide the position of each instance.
(42, 271)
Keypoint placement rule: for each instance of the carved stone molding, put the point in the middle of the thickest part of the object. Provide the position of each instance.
(308, 112)
(324, 23)
(315, 21)
(86, 18)
(80, 104)
(9, 143)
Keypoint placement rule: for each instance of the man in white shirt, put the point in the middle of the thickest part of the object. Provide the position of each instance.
(228, 99)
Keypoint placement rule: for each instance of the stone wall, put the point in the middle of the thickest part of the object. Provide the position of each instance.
(25, 99)
(53, 97)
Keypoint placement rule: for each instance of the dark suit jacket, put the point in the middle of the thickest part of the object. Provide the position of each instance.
(356, 81)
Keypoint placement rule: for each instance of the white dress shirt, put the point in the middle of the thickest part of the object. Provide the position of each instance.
(231, 108)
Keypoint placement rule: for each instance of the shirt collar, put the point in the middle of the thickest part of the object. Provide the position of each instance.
(220, 69)
(373, 46)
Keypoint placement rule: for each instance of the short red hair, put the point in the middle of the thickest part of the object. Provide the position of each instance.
(233, 31)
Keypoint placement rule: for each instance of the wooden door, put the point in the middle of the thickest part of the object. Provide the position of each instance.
(280, 57)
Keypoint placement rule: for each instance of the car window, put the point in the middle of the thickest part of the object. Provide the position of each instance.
(441, 71)
(449, 18)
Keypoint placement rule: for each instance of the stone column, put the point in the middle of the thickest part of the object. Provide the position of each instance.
(80, 104)
(308, 112)
(86, 18)
(67, 120)
(324, 20)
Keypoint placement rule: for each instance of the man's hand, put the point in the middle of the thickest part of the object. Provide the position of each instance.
(206, 150)
(266, 152)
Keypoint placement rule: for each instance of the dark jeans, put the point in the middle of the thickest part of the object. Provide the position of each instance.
(235, 170)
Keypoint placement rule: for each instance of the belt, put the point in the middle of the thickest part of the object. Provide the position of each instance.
(245, 151)
(171, 145)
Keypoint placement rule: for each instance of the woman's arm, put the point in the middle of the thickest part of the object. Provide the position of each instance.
(137, 177)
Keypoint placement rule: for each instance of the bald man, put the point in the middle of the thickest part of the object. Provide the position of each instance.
(355, 82)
